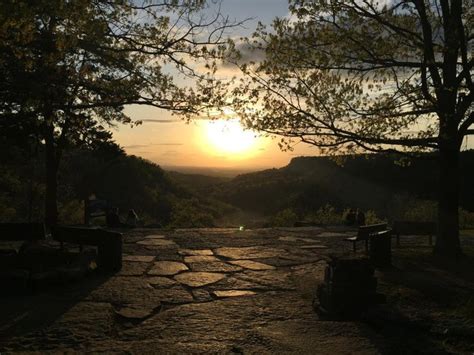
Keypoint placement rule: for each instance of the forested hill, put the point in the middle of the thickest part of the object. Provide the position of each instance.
(104, 170)
(381, 183)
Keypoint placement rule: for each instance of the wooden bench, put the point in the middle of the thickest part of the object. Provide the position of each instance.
(22, 231)
(414, 228)
(364, 233)
(109, 244)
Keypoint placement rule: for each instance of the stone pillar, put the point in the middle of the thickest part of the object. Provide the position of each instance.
(380, 251)
(110, 252)
(349, 288)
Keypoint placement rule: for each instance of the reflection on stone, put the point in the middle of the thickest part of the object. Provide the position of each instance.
(252, 265)
(167, 268)
(198, 279)
(195, 252)
(199, 258)
(157, 242)
(233, 293)
(217, 266)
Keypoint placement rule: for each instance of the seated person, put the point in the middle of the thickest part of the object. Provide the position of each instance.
(112, 218)
(132, 219)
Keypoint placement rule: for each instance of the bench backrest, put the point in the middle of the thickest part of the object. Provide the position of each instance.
(414, 228)
(365, 231)
(84, 236)
(22, 231)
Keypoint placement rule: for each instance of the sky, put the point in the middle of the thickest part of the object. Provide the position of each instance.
(169, 141)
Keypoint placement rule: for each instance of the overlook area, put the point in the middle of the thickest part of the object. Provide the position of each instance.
(224, 290)
(237, 177)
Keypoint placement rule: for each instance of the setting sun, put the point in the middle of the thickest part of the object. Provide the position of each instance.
(228, 136)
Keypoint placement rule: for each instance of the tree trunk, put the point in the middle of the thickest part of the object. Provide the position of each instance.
(447, 241)
(52, 164)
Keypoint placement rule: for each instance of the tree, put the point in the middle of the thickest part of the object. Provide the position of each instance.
(69, 68)
(367, 75)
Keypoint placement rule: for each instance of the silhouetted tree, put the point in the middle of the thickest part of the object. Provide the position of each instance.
(348, 76)
(68, 68)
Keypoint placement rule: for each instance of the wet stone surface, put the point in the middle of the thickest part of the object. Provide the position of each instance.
(194, 291)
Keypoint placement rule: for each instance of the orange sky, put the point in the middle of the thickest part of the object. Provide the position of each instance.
(169, 141)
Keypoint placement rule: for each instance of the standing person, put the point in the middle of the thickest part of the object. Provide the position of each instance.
(351, 217)
(360, 218)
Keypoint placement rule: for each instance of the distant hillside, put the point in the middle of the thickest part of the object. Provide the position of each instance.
(208, 171)
(376, 182)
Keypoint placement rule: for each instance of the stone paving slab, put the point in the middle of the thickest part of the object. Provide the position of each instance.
(157, 242)
(214, 267)
(194, 252)
(252, 265)
(133, 268)
(167, 268)
(248, 252)
(198, 279)
(138, 258)
(199, 258)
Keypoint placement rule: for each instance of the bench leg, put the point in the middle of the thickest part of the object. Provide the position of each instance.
(398, 240)
(366, 245)
(354, 246)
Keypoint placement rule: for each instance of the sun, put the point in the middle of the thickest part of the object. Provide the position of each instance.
(228, 136)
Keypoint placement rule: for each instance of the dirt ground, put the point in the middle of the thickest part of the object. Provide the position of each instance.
(231, 291)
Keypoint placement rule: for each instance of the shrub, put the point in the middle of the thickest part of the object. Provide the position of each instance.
(285, 218)
(372, 218)
(327, 215)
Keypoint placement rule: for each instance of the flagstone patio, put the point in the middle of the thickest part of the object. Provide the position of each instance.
(197, 291)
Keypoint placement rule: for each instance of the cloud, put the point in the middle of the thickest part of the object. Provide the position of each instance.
(149, 120)
(136, 146)
(247, 54)
(139, 146)
(171, 153)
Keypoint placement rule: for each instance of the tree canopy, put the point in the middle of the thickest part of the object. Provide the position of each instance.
(355, 75)
(69, 68)
(362, 74)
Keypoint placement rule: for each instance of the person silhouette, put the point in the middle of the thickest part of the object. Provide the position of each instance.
(360, 218)
(351, 217)
(132, 218)
(112, 218)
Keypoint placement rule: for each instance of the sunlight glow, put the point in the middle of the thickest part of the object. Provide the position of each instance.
(228, 136)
